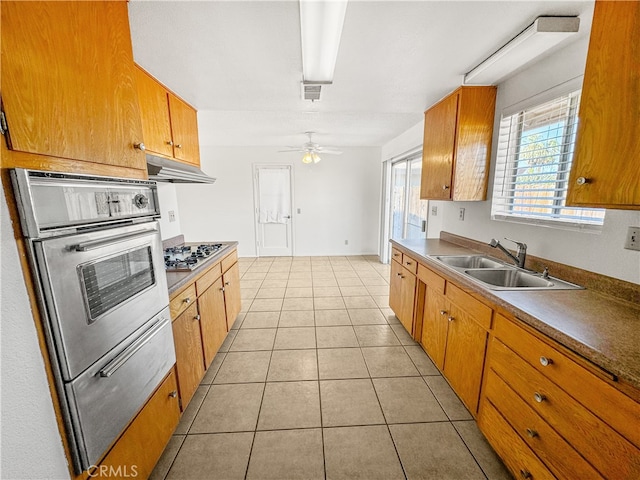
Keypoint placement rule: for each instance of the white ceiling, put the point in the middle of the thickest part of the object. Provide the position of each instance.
(239, 63)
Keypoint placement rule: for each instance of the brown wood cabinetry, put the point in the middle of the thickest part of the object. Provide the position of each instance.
(574, 422)
(402, 291)
(140, 446)
(213, 320)
(68, 86)
(203, 313)
(170, 125)
(457, 145)
(605, 170)
(189, 353)
(454, 334)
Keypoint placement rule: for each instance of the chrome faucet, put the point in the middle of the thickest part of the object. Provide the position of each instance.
(520, 255)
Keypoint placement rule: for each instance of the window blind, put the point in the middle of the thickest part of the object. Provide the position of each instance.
(534, 154)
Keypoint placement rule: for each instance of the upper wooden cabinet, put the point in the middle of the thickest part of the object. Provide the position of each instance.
(605, 171)
(457, 145)
(170, 125)
(68, 82)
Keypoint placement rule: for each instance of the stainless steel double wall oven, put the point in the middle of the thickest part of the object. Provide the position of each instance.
(96, 251)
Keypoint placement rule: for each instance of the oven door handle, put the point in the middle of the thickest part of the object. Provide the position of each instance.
(105, 242)
(111, 367)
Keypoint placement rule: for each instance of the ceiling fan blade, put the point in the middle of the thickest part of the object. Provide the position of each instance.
(291, 150)
(330, 151)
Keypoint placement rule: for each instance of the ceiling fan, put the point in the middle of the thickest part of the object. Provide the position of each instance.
(312, 150)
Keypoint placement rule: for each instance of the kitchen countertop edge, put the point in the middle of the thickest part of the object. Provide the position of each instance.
(177, 280)
(521, 304)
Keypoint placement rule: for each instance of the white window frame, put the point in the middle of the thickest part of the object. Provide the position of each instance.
(505, 172)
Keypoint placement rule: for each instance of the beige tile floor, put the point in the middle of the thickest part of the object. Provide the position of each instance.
(318, 379)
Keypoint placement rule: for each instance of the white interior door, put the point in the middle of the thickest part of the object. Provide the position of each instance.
(273, 198)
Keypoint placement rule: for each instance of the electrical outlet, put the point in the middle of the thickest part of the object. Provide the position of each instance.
(346, 242)
(633, 239)
(461, 214)
(434, 210)
(298, 211)
(172, 216)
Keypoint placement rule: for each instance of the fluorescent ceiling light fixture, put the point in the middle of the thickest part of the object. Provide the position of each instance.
(321, 24)
(543, 34)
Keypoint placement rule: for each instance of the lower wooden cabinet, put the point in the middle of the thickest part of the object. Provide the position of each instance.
(232, 300)
(213, 320)
(189, 353)
(137, 451)
(435, 325)
(402, 294)
(574, 422)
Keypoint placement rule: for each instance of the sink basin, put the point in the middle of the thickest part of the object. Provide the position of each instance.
(514, 279)
(469, 261)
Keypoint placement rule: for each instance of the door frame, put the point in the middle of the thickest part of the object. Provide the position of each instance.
(255, 168)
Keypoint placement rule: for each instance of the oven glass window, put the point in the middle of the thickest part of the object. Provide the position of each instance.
(113, 280)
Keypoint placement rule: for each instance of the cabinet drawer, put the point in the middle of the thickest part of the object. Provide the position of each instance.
(550, 447)
(515, 453)
(206, 280)
(142, 443)
(597, 442)
(584, 386)
(229, 260)
(396, 255)
(476, 309)
(182, 300)
(432, 279)
(409, 263)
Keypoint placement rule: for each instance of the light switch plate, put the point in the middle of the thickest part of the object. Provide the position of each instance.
(172, 216)
(633, 239)
(434, 210)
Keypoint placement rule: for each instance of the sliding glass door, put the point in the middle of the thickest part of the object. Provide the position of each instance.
(408, 212)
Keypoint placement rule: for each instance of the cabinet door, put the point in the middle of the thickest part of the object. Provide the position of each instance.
(395, 288)
(607, 143)
(68, 83)
(189, 358)
(184, 127)
(154, 111)
(213, 320)
(464, 359)
(140, 446)
(438, 149)
(232, 301)
(408, 295)
(434, 326)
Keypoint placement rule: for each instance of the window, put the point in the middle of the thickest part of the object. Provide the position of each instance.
(535, 150)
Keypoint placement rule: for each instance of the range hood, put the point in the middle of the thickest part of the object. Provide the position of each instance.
(165, 170)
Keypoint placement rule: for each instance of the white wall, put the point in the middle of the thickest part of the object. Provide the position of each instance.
(602, 253)
(168, 202)
(30, 440)
(339, 199)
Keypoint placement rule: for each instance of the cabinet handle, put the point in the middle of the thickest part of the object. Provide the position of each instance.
(445, 187)
(222, 289)
(538, 397)
(197, 317)
(170, 143)
(399, 274)
(525, 473)
(139, 146)
(545, 362)
(187, 300)
(583, 180)
(178, 145)
(396, 254)
(226, 283)
(173, 394)
(408, 263)
(451, 319)
(532, 433)
(443, 312)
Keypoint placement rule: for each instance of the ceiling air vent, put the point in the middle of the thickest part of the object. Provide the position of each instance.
(311, 91)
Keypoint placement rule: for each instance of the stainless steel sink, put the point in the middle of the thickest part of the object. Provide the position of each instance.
(508, 278)
(469, 261)
(496, 275)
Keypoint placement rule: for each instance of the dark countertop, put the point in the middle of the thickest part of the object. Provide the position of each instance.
(603, 329)
(177, 280)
